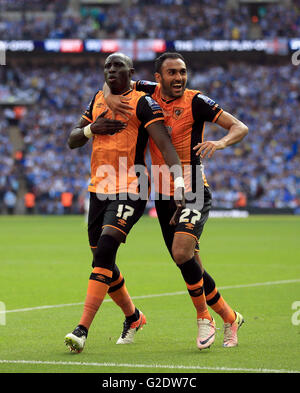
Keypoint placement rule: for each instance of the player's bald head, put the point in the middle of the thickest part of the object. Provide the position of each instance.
(122, 56)
(118, 71)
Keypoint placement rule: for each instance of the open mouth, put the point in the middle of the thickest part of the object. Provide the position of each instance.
(177, 86)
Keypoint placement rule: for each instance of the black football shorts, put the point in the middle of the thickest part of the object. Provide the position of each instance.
(191, 220)
(121, 214)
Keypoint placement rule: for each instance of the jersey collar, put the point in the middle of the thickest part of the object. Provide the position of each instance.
(168, 101)
(127, 92)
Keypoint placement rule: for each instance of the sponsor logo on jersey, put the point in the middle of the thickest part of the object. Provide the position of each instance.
(147, 83)
(206, 99)
(153, 104)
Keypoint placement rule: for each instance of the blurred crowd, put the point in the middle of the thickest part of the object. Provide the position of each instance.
(166, 19)
(262, 171)
(9, 178)
(265, 166)
(33, 5)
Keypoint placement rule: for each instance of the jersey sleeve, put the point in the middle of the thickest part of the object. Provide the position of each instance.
(148, 111)
(88, 113)
(145, 86)
(206, 108)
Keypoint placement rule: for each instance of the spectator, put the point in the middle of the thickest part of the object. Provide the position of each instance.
(66, 201)
(29, 201)
(10, 200)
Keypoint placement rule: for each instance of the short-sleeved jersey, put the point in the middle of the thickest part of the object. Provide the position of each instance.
(185, 119)
(114, 157)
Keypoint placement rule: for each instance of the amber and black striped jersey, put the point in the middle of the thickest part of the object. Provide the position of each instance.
(185, 119)
(114, 157)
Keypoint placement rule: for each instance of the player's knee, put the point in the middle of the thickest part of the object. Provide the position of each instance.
(117, 280)
(181, 254)
(106, 252)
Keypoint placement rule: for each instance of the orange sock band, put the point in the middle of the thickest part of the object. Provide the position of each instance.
(117, 281)
(119, 294)
(211, 295)
(122, 298)
(97, 289)
(215, 300)
(103, 271)
(198, 298)
(223, 309)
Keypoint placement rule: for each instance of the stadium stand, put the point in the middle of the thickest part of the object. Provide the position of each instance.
(168, 19)
(261, 172)
(265, 166)
(9, 165)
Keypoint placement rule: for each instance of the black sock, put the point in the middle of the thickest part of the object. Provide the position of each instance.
(134, 317)
(191, 271)
(208, 282)
(84, 329)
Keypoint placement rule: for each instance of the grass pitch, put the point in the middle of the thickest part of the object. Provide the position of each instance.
(44, 270)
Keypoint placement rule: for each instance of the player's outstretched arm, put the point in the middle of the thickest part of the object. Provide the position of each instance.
(237, 130)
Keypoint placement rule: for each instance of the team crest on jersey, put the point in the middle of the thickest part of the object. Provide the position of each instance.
(206, 99)
(153, 104)
(177, 112)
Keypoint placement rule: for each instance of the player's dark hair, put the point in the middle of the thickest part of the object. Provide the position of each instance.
(167, 55)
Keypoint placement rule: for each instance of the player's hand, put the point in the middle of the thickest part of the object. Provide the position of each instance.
(180, 204)
(104, 126)
(208, 148)
(119, 105)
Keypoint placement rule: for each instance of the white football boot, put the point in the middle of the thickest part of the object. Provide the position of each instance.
(206, 333)
(130, 329)
(230, 331)
(76, 340)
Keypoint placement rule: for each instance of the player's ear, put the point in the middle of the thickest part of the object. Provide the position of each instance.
(131, 72)
(157, 77)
